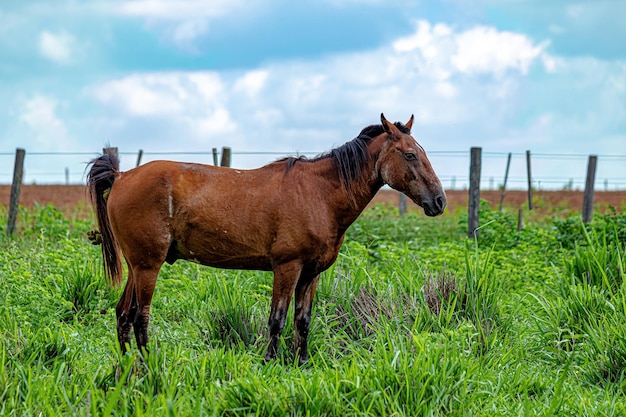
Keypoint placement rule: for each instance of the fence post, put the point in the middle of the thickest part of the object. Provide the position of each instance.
(530, 181)
(214, 156)
(506, 177)
(474, 192)
(588, 196)
(402, 203)
(16, 188)
(225, 157)
(139, 155)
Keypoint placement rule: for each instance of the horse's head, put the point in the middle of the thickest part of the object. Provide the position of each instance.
(403, 165)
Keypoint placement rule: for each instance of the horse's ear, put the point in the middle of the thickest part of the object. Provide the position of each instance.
(409, 124)
(388, 127)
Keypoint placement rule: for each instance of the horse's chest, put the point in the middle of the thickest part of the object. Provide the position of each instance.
(326, 259)
(320, 255)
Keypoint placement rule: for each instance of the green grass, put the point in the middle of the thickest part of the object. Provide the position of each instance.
(413, 319)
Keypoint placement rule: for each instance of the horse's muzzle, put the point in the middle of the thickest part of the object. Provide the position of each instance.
(435, 206)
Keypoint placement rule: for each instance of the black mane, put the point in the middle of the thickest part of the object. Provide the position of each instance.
(349, 157)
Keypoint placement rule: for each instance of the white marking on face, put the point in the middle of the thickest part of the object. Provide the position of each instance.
(170, 202)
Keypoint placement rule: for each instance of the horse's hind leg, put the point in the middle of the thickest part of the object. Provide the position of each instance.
(285, 279)
(145, 282)
(125, 311)
(305, 291)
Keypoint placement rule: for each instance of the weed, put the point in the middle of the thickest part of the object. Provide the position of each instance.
(440, 291)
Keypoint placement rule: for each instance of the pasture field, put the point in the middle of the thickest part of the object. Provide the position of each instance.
(413, 319)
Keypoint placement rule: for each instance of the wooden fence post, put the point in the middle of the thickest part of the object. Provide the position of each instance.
(225, 157)
(530, 181)
(16, 188)
(588, 196)
(402, 203)
(506, 177)
(214, 156)
(474, 192)
(139, 155)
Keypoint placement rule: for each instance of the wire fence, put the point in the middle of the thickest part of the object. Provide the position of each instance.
(549, 171)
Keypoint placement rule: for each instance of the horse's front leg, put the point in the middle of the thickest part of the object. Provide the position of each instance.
(305, 291)
(285, 278)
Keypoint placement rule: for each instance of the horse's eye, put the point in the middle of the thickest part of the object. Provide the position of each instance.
(410, 156)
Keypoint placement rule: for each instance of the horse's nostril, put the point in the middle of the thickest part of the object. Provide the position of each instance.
(440, 202)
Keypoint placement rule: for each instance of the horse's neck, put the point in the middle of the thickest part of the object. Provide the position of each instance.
(366, 187)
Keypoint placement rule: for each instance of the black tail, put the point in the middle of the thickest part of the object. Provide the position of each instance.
(100, 178)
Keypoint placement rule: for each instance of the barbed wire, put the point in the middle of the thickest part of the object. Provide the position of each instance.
(450, 180)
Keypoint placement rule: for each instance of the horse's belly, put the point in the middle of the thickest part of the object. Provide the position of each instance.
(221, 252)
(233, 262)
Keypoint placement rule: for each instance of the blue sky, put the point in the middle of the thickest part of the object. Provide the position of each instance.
(288, 77)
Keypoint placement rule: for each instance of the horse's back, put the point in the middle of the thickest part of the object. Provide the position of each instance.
(182, 193)
(185, 182)
(217, 216)
(222, 217)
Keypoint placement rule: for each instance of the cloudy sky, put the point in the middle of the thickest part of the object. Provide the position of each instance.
(177, 77)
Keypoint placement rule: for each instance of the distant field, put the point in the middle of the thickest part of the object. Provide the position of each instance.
(69, 197)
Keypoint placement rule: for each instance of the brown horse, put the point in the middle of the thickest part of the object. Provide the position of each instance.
(288, 217)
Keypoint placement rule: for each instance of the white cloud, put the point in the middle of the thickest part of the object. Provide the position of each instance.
(177, 10)
(461, 96)
(191, 105)
(485, 49)
(211, 124)
(157, 94)
(208, 85)
(424, 38)
(429, 73)
(39, 115)
(57, 47)
(466, 85)
(446, 89)
(182, 21)
(252, 82)
(479, 50)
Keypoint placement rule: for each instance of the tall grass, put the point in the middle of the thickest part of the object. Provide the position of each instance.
(482, 296)
(413, 319)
